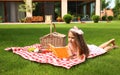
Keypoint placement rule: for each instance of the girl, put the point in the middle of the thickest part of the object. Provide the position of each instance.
(78, 47)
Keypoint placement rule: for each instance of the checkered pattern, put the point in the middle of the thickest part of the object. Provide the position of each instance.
(48, 57)
(45, 57)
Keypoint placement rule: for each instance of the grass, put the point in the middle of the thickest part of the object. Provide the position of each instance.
(28, 34)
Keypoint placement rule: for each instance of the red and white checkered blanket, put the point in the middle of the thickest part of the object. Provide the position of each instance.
(45, 57)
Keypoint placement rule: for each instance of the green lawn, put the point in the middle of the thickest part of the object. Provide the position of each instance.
(28, 34)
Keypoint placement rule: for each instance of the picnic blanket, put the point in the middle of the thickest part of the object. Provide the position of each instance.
(50, 58)
(45, 57)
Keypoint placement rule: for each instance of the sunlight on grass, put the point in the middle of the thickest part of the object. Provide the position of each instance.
(28, 34)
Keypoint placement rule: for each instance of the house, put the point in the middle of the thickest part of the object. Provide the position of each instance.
(107, 12)
(9, 8)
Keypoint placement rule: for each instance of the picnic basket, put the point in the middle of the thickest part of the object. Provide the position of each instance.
(54, 38)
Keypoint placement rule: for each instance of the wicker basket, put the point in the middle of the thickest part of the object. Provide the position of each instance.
(54, 38)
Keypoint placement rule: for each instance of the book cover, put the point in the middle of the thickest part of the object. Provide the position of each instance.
(61, 52)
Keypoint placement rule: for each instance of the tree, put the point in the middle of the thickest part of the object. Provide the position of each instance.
(105, 4)
(116, 10)
(25, 7)
(105, 7)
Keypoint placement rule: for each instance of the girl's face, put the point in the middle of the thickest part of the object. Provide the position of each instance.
(71, 38)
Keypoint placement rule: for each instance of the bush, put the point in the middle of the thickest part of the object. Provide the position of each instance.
(110, 18)
(104, 18)
(67, 18)
(95, 18)
(119, 17)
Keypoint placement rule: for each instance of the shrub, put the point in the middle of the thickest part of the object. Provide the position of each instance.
(119, 17)
(110, 18)
(95, 18)
(104, 18)
(67, 18)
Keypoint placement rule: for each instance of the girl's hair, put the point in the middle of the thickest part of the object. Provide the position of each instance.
(82, 46)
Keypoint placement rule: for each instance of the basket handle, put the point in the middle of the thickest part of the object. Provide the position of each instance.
(52, 24)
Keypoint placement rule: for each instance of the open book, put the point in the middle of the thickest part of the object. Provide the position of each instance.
(61, 52)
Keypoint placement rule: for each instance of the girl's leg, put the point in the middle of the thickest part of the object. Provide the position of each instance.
(104, 45)
(109, 48)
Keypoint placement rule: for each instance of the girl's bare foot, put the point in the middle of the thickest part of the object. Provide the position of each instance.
(115, 46)
(112, 41)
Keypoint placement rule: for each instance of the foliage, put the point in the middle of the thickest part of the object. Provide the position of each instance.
(22, 20)
(95, 18)
(118, 17)
(104, 4)
(116, 9)
(67, 18)
(24, 7)
(38, 10)
(110, 18)
(57, 8)
(104, 18)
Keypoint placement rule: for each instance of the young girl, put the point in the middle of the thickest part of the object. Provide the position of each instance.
(78, 46)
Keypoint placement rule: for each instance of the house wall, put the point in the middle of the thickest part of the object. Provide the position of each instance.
(106, 12)
(13, 15)
(2, 10)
